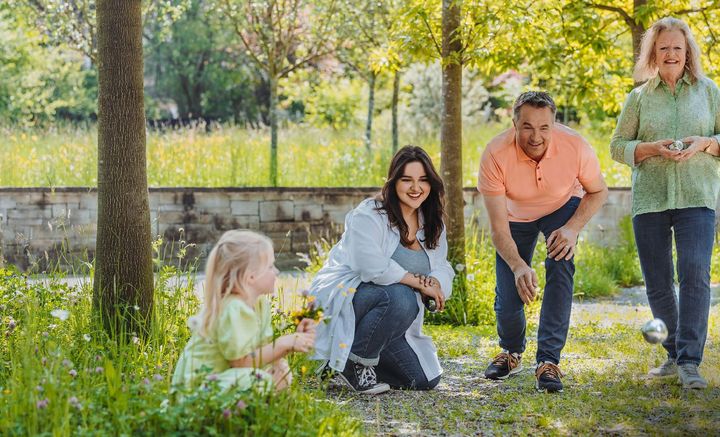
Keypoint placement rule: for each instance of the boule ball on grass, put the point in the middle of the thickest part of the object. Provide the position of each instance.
(655, 331)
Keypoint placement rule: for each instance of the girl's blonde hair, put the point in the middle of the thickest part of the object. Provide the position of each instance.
(238, 254)
(646, 67)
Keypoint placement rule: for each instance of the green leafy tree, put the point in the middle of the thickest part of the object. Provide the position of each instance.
(281, 36)
(368, 49)
(196, 62)
(584, 51)
(37, 81)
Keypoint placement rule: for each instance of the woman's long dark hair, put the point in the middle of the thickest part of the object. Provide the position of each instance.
(432, 209)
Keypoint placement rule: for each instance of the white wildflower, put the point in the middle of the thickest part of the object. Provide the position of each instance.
(60, 314)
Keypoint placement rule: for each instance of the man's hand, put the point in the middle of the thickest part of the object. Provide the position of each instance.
(561, 243)
(526, 282)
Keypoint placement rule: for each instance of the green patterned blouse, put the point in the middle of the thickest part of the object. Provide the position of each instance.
(653, 113)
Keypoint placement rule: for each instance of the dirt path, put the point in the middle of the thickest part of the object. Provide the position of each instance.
(605, 361)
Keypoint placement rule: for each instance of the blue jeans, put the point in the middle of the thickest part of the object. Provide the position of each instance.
(557, 299)
(382, 315)
(687, 317)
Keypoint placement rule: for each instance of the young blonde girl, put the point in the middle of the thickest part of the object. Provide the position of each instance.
(232, 343)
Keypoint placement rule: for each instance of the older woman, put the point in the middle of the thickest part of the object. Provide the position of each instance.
(668, 133)
(391, 256)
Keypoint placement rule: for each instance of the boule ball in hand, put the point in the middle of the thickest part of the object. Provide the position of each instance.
(654, 331)
(676, 145)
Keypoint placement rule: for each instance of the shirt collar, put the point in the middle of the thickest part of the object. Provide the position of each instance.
(656, 81)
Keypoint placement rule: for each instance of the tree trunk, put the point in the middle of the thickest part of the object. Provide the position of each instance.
(395, 98)
(451, 129)
(371, 108)
(451, 152)
(123, 283)
(637, 29)
(273, 131)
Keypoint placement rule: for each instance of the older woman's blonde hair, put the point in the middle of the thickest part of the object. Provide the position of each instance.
(646, 67)
(238, 254)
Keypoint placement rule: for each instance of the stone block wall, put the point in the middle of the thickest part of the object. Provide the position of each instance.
(46, 227)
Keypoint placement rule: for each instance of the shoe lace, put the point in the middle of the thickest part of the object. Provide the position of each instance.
(366, 376)
(691, 371)
(549, 370)
(503, 358)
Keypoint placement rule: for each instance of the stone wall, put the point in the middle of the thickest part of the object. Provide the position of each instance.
(44, 227)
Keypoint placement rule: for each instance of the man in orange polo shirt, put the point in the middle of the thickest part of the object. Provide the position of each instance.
(538, 176)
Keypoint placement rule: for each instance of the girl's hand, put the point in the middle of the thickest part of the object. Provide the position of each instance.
(299, 342)
(281, 374)
(434, 291)
(307, 325)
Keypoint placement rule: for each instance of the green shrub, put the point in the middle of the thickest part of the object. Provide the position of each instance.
(601, 270)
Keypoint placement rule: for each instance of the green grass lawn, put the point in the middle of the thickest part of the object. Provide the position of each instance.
(232, 156)
(60, 375)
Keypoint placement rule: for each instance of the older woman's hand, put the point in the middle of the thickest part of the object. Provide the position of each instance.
(647, 150)
(697, 144)
(663, 150)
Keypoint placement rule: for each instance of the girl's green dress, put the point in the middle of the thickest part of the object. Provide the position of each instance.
(238, 331)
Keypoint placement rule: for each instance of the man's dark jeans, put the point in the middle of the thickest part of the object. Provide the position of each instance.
(557, 299)
(687, 317)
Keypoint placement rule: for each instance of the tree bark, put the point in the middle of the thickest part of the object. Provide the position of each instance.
(451, 129)
(395, 99)
(371, 108)
(123, 282)
(273, 131)
(637, 29)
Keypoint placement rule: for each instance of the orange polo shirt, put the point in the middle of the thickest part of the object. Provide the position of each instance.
(535, 189)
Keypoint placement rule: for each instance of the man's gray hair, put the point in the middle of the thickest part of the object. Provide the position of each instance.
(536, 99)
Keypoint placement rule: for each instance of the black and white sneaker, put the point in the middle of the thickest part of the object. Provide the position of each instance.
(362, 379)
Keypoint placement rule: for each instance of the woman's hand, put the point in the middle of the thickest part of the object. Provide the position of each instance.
(661, 149)
(697, 144)
(307, 325)
(435, 292)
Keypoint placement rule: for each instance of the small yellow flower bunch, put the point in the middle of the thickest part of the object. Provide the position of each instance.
(309, 310)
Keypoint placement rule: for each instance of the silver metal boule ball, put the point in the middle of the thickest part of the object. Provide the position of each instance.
(676, 145)
(654, 331)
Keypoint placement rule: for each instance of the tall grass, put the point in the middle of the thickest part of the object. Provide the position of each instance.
(61, 375)
(229, 155)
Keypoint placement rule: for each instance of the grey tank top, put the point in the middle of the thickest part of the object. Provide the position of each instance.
(414, 261)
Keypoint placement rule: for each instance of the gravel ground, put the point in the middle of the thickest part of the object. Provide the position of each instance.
(465, 403)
